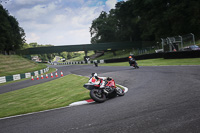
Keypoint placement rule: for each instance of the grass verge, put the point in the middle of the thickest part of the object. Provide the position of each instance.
(159, 62)
(14, 64)
(57, 93)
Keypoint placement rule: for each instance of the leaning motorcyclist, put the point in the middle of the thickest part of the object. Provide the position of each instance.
(131, 58)
(96, 80)
(132, 61)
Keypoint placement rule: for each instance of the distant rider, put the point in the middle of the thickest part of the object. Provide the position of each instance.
(131, 59)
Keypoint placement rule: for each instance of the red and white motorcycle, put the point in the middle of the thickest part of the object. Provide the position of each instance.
(102, 94)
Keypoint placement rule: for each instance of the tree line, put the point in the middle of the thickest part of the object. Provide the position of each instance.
(12, 36)
(146, 20)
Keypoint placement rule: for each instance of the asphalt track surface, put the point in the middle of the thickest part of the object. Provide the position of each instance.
(160, 100)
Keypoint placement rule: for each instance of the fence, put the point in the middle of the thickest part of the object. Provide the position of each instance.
(177, 42)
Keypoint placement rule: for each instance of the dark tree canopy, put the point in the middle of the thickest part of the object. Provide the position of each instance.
(12, 37)
(147, 20)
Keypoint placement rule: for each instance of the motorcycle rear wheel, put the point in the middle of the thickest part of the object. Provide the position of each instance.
(96, 96)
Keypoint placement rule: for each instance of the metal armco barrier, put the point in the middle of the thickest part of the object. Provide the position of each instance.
(77, 62)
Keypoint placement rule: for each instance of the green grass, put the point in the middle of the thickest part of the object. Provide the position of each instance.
(81, 57)
(159, 62)
(14, 64)
(57, 93)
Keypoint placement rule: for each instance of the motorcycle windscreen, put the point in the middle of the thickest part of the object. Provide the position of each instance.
(89, 86)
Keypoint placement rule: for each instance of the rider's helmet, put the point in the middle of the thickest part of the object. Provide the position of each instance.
(94, 74)
(130, 56)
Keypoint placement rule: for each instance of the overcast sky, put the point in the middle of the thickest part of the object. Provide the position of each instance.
(57, 22)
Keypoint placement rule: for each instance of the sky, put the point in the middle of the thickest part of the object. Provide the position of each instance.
(57, 22)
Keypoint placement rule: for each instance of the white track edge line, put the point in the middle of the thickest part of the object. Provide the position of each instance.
(70, 105)
(33, 113)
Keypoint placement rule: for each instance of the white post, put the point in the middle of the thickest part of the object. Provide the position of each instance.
(162, 44)
(193, 38)
(181, 41)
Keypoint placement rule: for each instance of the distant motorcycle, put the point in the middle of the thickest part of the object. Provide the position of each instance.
(133, 63)
(102, 94)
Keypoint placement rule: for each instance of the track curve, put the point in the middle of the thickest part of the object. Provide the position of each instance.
(160, 99)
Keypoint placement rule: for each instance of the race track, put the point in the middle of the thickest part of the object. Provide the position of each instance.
(160, 100)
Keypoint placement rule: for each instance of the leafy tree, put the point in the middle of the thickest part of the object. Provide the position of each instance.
(127, 21)
(12, 37)
(146, 20)
(25, 46)
(64, 54)
(33, 45)
(103, 28)
(70, 55)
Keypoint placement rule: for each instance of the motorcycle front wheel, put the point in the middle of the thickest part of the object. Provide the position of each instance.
(97, 95)
(136, 66)
(119, 91)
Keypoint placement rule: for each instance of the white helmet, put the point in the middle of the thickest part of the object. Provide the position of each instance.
(94, 74)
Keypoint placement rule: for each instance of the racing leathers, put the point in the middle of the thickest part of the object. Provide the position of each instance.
(98, 81)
